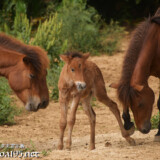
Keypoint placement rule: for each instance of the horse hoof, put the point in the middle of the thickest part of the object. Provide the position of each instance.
(92, 147)
(68, 148)
(60, 147)
(131, 141)
(131, 130)
(156, 138)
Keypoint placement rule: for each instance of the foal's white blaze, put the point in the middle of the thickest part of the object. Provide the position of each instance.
(80, 85)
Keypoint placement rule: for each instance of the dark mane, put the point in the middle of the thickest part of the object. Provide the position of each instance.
(125, 92)
(74, 54)
(37, 56)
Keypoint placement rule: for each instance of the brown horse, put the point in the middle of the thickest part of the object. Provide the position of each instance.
(25, 68)
(142, 60)
(80, 79)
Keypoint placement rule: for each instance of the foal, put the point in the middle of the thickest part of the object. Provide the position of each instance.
(80, 79)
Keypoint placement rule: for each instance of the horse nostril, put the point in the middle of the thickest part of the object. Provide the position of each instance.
(145, 131)
(44, 104)
(147, 128)
(84, 86)
(80, 85)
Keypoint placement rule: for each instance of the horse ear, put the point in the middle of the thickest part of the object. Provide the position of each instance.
(65, 58)
(86, 55)
(156, 19)
(138, 87)
(26, 60)
(114, 85)
(157, 12)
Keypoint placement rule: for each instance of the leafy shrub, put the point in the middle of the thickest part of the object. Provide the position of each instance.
(22, 28)
(52, 79)
(8, 12)
(81, 27)
(155, 121)
(47, 36)
(112, 35)
(7, 110)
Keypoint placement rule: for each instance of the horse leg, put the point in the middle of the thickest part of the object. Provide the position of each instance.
(157, 136)
(101, 94)
(128, 125)
(63, 123)
(71, 120)
(92, 119)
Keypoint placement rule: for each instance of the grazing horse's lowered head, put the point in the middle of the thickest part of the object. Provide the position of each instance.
(25, 67)
(141, 61)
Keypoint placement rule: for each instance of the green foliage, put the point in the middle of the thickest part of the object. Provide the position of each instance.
(52, 79)
(9, 9)
(79, 26)
(112, 35)
(47, 36)
(22, 27)
(7, 110)
(155, 121)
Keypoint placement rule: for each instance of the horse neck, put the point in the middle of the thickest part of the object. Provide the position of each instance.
(142, 68)
(8, 61)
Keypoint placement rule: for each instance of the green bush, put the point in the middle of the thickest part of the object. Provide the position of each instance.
(52, 79)
(47, 36)
(111, 38)
(155, 121)
(81, 27)
(7, 109)
(22, 28)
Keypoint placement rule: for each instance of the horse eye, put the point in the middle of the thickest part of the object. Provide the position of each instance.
(72, 70)
(32, 76)
(79, 65)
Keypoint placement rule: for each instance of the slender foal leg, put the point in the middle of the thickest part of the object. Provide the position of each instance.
(63, 122)
(157, 136)
(71, 120)
(101, 94)
(92, 119)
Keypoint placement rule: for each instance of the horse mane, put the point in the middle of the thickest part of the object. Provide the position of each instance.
(38, 57)
(74, 54)
(126, 93)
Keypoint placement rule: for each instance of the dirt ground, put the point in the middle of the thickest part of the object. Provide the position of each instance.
(40, 130)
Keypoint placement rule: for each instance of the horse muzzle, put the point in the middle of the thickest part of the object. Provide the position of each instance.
(80, 85)
(146, 127)
(35, 103)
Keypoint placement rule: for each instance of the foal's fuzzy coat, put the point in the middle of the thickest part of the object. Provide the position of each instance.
(81, 79)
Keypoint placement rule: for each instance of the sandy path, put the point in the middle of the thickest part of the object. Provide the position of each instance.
(40, 130)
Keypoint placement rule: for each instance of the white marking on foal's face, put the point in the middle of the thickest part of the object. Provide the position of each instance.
(80, 85)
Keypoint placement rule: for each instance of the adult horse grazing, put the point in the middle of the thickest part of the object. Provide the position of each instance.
(80, 79)
(25, 68)
(142, 60)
